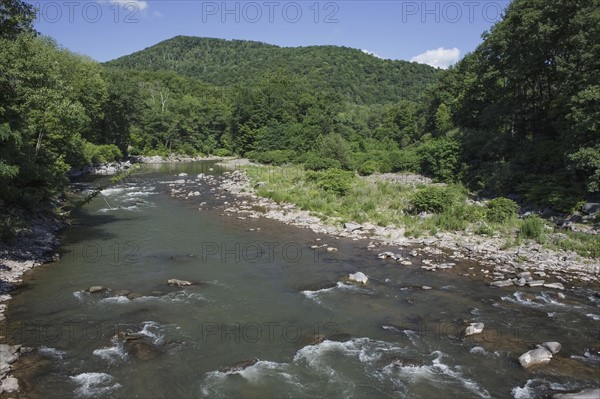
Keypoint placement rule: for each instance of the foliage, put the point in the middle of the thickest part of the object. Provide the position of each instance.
(501, 209)
(440, 158)
(532, 228)
(313, 161)
(333, 180)
(434, 199)
(274, 157)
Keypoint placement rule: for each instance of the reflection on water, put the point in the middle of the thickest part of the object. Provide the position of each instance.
(267, 316)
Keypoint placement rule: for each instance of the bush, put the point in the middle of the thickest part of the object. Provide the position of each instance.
(501, 209)
(313, 161)
(96, 154)
(368, 167)
(333, 180)
(440, 158)
(532, 227)
(432, 199)
(405, 160)
(272, 157)
(222, 152)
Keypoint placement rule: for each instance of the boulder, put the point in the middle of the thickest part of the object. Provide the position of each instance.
(10, 384)
(182, 174)
(121, 293)
(7, 354)
(535, 283)
(535, 357)
(352, 226)
(260, 184)
(358, 277)
(96, 289)
(474, 328)
(142, 350)
(552, 347)
(501, 283)
(557, 286)
(591, 208)
(179, 283)
(239, 366)
(588, 393)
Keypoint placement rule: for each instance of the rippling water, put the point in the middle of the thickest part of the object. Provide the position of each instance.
(266, 299)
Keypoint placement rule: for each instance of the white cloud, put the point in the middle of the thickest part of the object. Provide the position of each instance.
(140, 5)
(370, 53)
(439, 58)
(157, 14)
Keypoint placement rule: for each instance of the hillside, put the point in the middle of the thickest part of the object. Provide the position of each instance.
(359, 77)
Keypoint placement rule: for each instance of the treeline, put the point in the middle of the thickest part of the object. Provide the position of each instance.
(519, 115)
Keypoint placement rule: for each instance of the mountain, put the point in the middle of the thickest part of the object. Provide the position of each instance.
(360, 78)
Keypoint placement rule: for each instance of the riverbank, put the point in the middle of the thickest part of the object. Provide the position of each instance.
(33, 244)
(522, 263)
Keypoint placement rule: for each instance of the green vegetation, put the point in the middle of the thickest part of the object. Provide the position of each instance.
(501, 209)
(520, 115)
(533, 228)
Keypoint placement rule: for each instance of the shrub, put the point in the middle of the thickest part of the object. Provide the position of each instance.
(222, 152)
(314, 161)
(272, 157)
(440, 158)
(95, 154)
(532, 227)
(368, 167)
(333, 180)
(501, 209)
(405, 160)
(432, 199)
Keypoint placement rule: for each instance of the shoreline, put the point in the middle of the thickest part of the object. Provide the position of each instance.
(530, 261)
(33, 246)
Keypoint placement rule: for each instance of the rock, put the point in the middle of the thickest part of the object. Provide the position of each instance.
(96, 289)
(121, 293)
(557, 286)
(239, 366)
(501, 283)
(588, 393)
(4, 368)
(182, 174)
(535, 357)
(591, 208)
(552, 347)
(352, 226)
(384, 255)
(179, 283)
(260, 184)
(331, 249)
(7, 353)
(535, 283)
(142, 350)
(133, 296)
(10, 384)
(426, 287)
(474, 328)
(358, 277)
(525, 275)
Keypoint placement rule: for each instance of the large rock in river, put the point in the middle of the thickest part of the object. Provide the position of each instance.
(179, 283)
(535, 357)
(589, 393)
(358, 277)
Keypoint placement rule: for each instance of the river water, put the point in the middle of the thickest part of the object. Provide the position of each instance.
(263, 293)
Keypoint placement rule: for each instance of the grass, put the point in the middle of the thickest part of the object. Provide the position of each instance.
(385, 203)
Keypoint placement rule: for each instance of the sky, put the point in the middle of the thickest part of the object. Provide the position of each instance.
(432, 32)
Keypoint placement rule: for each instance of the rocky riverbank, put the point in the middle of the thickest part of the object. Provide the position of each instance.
(33, 245)
(529, 264)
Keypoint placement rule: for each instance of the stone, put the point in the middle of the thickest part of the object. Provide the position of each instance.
(179, 283)
(260, 184)
(96, 289)
(352, 226)
(239, 366)
(501, 283)
(182, 174)
(525, 275)
(591, 208)
(535, 283)
(552, 347)
(133, 296)
(588, 393)
(358, 277)
(426, 287)
(121, 293)
(10, 384)
(557, 286)
(535, 357)
(474, 328)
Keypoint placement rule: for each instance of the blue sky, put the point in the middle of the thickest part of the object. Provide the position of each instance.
(429, 31)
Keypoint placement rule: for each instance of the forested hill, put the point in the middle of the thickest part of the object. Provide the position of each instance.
(359, 77)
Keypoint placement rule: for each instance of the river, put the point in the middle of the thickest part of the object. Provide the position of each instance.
(261, 292)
